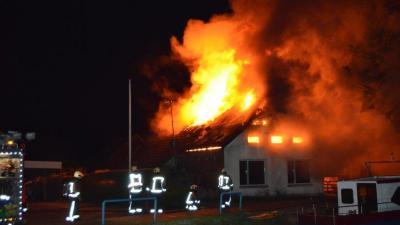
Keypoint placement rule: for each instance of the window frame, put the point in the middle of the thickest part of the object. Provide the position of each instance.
(247, 178)
(294, 173)
(342, 198)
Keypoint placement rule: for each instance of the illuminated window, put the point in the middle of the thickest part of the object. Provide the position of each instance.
(330, 185)
(297, 140)
(253, 139)
(276, 139)
(211, 148)
(260, 122)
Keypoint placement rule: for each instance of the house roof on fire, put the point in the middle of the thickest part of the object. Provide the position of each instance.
(218, 133)
(215, 135)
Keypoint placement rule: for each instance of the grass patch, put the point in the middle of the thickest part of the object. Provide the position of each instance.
(212, 218)
(229, 219)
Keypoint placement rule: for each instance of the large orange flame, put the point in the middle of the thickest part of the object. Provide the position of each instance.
(216, 79)
(330, 73)
(217, 72)
(223, 78)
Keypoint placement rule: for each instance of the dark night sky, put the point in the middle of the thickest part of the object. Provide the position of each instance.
(65, 66)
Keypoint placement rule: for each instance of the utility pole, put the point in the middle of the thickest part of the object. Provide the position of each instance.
(170, 102)
(172, 125)
(130, 126)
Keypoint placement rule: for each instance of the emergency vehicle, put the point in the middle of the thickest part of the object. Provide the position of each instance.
(11, 179)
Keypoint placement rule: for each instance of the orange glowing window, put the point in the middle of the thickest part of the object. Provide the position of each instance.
(276, 139)
(253, 139)
(262, 122)
(297, 140)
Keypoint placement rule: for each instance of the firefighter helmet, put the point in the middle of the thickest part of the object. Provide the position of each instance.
(78, 174)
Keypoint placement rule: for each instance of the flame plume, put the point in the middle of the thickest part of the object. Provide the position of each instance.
(223, 78)
(330, 65)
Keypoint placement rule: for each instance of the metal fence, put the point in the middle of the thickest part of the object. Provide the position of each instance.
(221, 196)
(325, 213)
(105, 202)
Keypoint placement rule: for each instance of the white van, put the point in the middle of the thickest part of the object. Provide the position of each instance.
(370, 194)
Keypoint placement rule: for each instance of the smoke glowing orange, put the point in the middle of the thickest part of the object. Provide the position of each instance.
(326, 66)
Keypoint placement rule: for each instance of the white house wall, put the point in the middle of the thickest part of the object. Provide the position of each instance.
(238, 150)
(278, 180)
(275, 167)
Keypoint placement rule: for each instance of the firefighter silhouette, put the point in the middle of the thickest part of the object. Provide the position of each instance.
(192, 201)
(135, 187)
(157, 189)
(72, 192)
(225, 184)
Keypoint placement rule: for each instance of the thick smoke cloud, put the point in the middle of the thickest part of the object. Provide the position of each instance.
(332, 66)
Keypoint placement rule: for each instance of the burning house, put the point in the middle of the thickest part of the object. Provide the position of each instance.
(264, 162)
(319, 66)
(260, 161)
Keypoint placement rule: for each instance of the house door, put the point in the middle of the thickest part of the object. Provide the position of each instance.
(367, 200)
